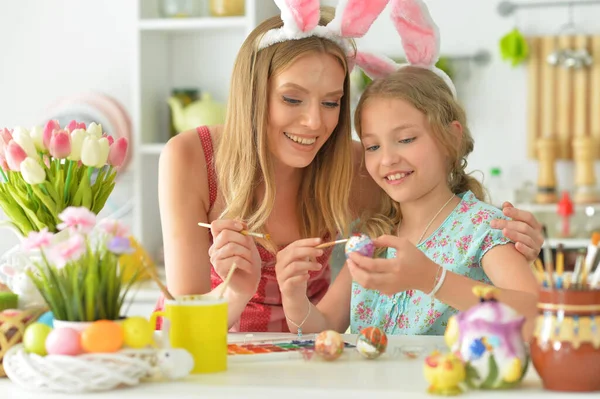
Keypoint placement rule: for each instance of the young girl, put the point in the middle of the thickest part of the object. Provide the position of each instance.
(433, 222)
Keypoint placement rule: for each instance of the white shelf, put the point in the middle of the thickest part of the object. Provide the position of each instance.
(192, 24)
(569, 243)
(152, 148)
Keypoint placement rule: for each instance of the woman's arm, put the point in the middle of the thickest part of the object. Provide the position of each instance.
(184, 201)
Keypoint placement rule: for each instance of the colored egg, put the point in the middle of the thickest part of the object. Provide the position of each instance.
(47, 318)
(360, 243)
(63, 341)
(137, 332)
(102, 336)
(371, 342)
(34, 338)
(329, 345)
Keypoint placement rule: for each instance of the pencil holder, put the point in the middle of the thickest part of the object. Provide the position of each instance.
(565, 348)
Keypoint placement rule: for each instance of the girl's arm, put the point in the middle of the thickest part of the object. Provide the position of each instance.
(510, 273)
(184, 201)
(332, 312)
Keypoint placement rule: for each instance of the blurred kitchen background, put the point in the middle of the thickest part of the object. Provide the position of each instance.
(118, 62)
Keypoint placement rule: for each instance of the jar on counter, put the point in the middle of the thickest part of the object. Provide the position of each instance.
(227, 8)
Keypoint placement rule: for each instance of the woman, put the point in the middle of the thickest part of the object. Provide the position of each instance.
(283, 164)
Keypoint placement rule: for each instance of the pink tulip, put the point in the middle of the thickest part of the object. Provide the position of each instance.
(60, 144)
(5, 136)
(3, 163)
(14, 156)
(118, 152)
(75, 125)
(50, 127)
(109, 138)
(68, 251)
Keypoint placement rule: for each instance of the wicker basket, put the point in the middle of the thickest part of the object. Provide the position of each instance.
(12, 327)
(83, 373)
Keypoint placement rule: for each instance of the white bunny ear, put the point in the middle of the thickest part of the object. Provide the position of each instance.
(420, 35)
(353, 18)
(299, 15)
(375, 66)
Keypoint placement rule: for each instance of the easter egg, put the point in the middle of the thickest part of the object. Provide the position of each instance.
(102, 336)
(34, 338)
(371, 342)
(47, 318)
(63, 341)
(360, 243)
(329, 345)
(137, 332)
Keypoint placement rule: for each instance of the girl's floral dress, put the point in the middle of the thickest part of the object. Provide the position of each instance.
(458, 245)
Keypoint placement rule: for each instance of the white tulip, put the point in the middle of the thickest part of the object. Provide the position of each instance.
(21, 137)
(77, 138)
(37, 135)
(94, 130)
(104, 150)
(32, 171)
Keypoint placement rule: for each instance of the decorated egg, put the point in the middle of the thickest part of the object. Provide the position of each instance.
(329, 345)
(34, 338)
(63, 341)
(372, 342)
(360, 243)
(137, 332)
(47, 318)
(102, 336)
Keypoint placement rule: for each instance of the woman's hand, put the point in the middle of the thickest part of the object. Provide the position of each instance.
(293, 264)
(410, 269)
(231, 246)
(524, 230)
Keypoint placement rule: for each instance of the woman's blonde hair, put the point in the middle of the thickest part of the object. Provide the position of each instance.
(243, 159)
(428, 93)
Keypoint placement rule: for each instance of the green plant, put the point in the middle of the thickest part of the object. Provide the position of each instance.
(79, 277)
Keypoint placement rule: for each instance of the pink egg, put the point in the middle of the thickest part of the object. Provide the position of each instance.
(63, 341)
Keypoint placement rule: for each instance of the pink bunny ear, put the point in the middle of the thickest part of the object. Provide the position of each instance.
(353, 18)
(375, 66)
(8, 270)
(299, 15)
(420, 35)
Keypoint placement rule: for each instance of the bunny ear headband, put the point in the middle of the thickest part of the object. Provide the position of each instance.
(353, 18)
(420, 40)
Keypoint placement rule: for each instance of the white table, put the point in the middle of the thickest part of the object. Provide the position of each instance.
(348, 377)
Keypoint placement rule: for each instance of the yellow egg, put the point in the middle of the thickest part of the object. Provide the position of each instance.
(102, 336)
(138, 332)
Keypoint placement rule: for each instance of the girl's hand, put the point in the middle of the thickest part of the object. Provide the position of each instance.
(293, 264)
(229, 247)
(410, 269)
(523, 229)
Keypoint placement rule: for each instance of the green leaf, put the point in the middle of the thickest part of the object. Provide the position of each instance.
(472, 376)
(492, 376)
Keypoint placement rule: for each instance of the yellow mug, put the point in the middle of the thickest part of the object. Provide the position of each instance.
(198, 324)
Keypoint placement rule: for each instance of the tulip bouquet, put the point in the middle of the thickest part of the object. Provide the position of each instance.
(80, 277)
(47, 169)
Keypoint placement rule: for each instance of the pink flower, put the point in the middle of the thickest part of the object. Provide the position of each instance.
(110, 139)
(14, 156)
(118, 152)
(67, 251)
(60, 144)
(37, 240)
(50, 127)
(114, 228)
(5, 136)
(3, 163)
(75, 125)
(77, 219)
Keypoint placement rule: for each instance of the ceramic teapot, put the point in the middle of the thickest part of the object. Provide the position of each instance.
(489, 340)
(205, 111)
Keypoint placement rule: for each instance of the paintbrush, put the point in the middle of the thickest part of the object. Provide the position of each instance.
(331, 243)
(154, 276)
(227, 280)
(560, 265)
(244, 232)
(548, 261)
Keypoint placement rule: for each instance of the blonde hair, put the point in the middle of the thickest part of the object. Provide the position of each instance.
(428, 93)
(243, 159)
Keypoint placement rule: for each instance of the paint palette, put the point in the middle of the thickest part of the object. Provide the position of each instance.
(258, 351)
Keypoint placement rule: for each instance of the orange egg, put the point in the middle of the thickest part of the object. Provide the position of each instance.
(102, 336)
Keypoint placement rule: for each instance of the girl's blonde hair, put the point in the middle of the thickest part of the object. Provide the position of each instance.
(428, 93)
(243, 159)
